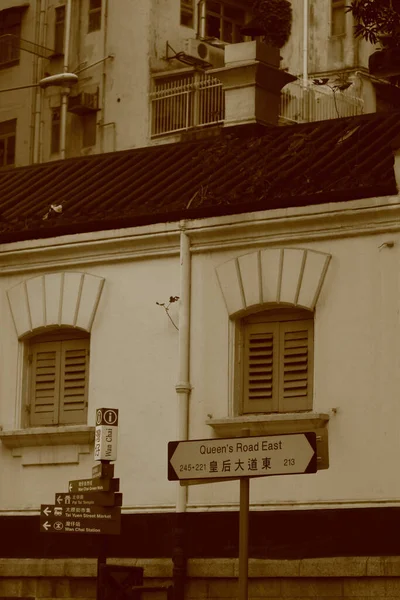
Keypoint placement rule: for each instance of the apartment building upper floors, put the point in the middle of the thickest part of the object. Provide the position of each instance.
(143, 71)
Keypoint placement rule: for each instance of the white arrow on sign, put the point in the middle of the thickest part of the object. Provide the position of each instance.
(46, 525)
(59, 499)
(47, 511)
(286, 454)
(70, 487)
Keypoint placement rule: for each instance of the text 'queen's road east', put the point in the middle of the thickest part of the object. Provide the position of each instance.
(242, 457)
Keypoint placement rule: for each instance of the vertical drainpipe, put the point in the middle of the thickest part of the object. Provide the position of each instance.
(41, 40)
(305, 42)
(65, 90)
(104, 79)
(306, 90)
(183, 389)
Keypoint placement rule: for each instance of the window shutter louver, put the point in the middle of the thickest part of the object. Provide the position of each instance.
(45, 383)
(74, 381)
(260, 368)
(295, 380)
(277, 369)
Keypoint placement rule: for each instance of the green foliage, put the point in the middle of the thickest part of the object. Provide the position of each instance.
(377, 20)
(275, 17)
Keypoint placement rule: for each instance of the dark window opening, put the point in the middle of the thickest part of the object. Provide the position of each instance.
(187, 13)
(59, 28)
(7, 142)
(89, 125)
(10, 35)
(224, 21)
(55, 131)
(94, 15)
(338, 17)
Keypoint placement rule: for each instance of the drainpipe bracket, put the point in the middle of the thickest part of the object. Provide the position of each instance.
(183, 387)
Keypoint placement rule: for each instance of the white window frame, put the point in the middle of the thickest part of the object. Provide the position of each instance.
(202, 19)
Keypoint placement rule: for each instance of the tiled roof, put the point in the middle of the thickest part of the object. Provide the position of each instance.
(238, 171)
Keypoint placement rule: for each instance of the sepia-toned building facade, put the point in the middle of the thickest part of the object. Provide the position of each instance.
(142, 71)
(244, 281)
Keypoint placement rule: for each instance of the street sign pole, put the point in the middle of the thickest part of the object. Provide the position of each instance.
(244, 508)
(244, 537)
(242, 458)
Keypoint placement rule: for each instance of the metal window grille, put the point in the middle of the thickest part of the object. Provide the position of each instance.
(186, 101)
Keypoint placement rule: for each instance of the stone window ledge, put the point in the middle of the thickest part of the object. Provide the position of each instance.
(47, 436)
(269, 424)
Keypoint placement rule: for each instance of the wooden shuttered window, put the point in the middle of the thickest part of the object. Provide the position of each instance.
(277, 366)
(59, 382)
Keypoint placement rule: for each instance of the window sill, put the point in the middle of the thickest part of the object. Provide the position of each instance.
(269, 424)
(47, 436)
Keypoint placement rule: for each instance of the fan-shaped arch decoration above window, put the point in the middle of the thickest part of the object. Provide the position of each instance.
(55, 299)
(290, 276)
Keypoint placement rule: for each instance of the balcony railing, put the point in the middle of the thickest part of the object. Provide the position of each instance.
(300, 104)
(183, 102)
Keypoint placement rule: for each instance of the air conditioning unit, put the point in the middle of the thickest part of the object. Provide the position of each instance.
(202, 51)
(83, 103)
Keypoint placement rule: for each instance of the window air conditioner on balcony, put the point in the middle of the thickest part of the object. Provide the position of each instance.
(202, 51)
(83, 103)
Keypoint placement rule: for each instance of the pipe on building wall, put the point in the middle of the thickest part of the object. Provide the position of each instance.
(65, 90)
(41, 26)
(103, 82)
(183, 388)
(201, 17)
(305, 42)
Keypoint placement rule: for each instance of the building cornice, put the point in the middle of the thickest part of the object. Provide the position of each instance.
(294, 225)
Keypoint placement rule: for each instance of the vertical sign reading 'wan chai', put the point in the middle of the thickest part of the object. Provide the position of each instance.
(106, 436)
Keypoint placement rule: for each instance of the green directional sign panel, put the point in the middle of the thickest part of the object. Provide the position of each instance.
(286, 454)
(79, 525)
(93, 485)
(89, 512)
(88, 499)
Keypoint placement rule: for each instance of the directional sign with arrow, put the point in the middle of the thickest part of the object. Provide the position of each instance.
(78, 525)
(89, 499)
(74, 512)
(93, 485)
(287, 454)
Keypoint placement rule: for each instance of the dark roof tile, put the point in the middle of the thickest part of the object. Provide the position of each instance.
(237, 171)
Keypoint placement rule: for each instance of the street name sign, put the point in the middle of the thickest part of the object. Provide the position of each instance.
(106, 434)
(78, 525)
(93, 485)
(89, 499)
(103, 471)
(81, 512)
(287, 454)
